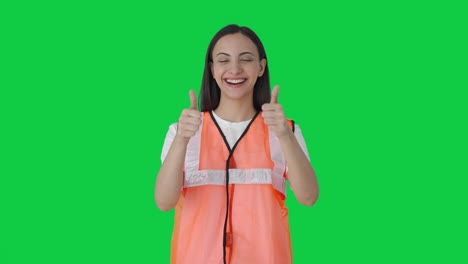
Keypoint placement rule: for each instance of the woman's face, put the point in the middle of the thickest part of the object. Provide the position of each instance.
(236, 66)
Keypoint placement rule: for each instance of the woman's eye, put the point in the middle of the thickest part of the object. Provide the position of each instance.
(246, 60)
(223, 61)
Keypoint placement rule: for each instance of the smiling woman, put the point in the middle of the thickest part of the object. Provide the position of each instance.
(225, 168)
(236, 67)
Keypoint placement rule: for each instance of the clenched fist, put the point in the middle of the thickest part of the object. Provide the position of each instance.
(189, 121)
(274, 117)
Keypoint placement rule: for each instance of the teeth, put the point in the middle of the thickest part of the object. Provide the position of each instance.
(235, 80)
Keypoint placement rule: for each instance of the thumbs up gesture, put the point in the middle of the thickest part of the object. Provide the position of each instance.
(273, 115)
(190, 120)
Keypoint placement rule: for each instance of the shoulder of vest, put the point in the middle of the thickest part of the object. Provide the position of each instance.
(291, 122)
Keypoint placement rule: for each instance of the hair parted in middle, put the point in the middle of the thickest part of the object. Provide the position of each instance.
(210, 93)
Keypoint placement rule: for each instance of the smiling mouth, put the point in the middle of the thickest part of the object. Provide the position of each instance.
(235, 81)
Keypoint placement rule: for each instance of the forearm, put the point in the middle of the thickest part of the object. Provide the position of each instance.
(170, 177)
(300, 174)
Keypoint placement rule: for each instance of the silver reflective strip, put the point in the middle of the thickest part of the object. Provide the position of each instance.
(236, 176)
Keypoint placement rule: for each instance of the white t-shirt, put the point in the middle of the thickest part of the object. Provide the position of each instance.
(231, 130)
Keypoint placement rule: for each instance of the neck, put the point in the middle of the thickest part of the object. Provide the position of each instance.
(235, 111)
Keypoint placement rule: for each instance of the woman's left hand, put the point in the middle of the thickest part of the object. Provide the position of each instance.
(274, 117)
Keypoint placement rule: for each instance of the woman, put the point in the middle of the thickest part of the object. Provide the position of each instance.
(224, 168)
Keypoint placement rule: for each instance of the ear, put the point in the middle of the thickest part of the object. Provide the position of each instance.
(263, 63)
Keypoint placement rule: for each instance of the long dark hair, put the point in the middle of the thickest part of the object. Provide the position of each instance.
(210, 93)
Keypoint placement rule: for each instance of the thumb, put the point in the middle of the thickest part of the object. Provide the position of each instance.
(193, 100)
(274, 95)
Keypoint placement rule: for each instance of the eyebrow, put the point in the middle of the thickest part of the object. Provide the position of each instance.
(242, 53)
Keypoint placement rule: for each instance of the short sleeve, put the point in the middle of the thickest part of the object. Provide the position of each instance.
(300, 139)
(170, 135)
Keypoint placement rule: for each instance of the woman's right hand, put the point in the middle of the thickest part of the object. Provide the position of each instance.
(170, 178)
(189, 121)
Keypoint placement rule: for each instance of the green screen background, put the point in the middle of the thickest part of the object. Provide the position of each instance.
(89, 88)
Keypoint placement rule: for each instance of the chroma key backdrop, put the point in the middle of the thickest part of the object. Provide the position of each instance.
(88, 90)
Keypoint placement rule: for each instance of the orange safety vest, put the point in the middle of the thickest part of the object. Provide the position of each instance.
(255, 227)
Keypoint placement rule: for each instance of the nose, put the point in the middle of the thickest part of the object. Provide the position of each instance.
(235, 68)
